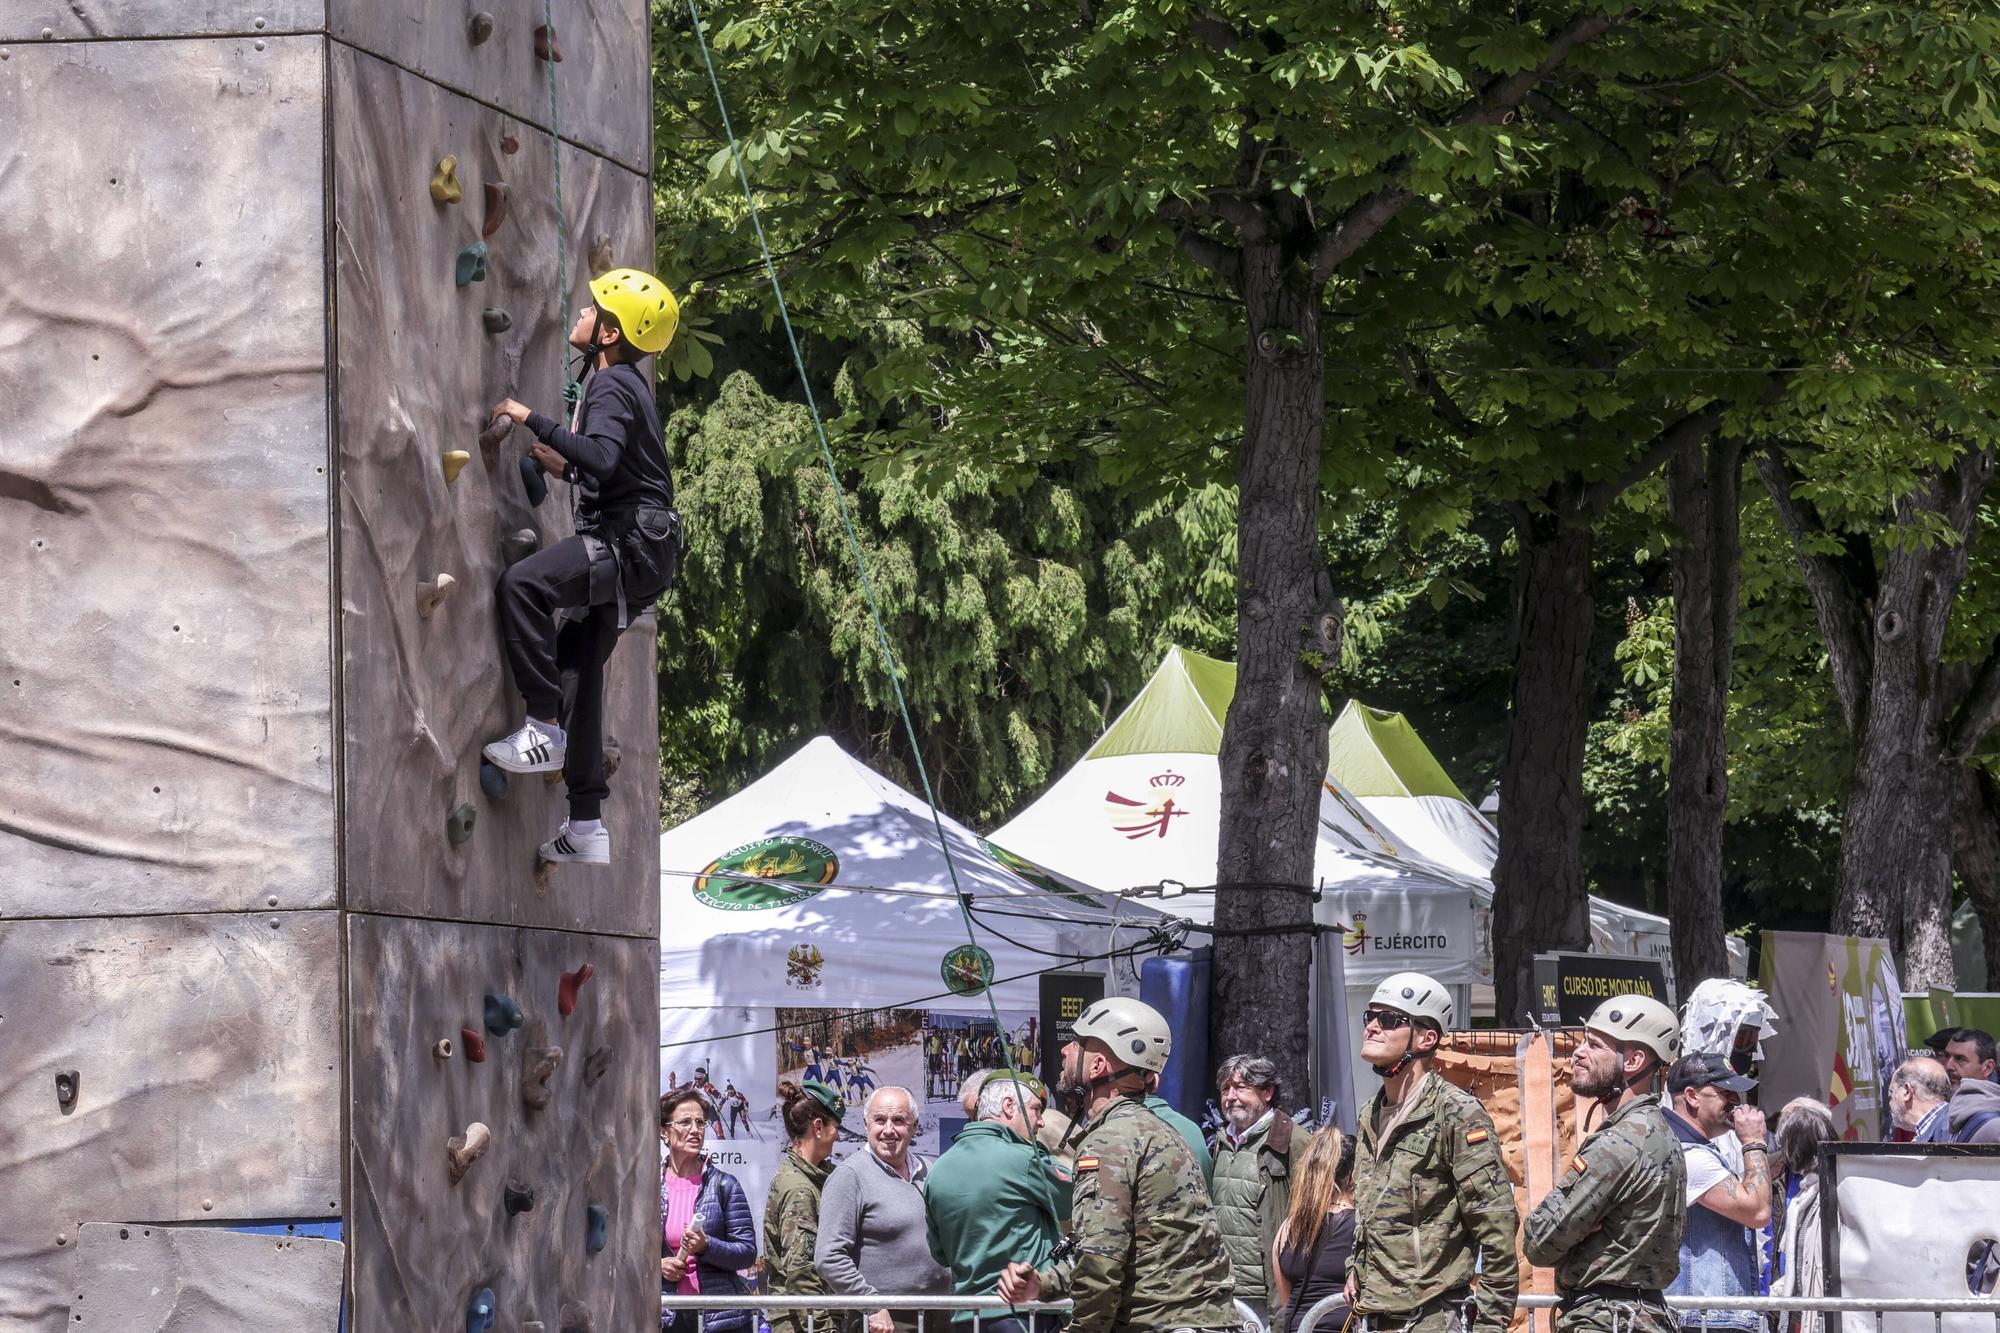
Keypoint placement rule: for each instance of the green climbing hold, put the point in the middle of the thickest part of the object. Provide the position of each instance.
(533, 480)
(497, 320)
(503, 1015)
(496, 207)
(445, 188)
(458, 825)
(493, 780)
(471, 266)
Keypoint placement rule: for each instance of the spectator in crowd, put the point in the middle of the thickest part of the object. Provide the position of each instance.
(1919, 1097)
(812, 1113)
(706, 1233)
(993, 1197)
(1257, 1153)
(968, 1092)
(1052, 1129)
(1728, 1186)
(1182, 1126)
(1975, 1095)
(1309, 1256)
(871, 1216)
(1799, 1265)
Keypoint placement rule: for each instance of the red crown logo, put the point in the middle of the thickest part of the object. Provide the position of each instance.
(1168, 779)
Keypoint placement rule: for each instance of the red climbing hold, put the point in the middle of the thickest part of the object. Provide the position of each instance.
(496, 207)
(510, 144)
(546, 45)
(572, 982)
(474, 1044)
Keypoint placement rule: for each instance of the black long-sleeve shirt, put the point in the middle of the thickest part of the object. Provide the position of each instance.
(617, 454)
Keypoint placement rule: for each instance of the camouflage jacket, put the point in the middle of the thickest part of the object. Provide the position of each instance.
(1426, 1200)
(1615, 1217)
(1148, 1254)
(791, 1226)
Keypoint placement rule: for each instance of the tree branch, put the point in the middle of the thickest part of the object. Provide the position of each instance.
(1841, 586)
(1596, 499)
(1980, 711)
(1417, 373)
(1225, 261)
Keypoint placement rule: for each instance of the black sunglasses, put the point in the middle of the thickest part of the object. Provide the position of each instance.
(1386, 1019)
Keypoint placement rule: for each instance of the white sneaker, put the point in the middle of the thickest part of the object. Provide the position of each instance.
(529, 750)
(590, 849)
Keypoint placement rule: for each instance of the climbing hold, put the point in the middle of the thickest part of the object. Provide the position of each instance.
(503, 1015)
(572, 982)
(492, 780)
(595, 1064)
(462, 1150)
(454, 460)
(519, 545)
(479, 1314)
(510, 143)
(475, 1045)
(600, 256)
(597, 1227)
(546, 45)
(614, 755)
(533, 1326)
(432, 591)
(67, 1083)
(458, 824)
(479, 28)
(533, 480)
(445, 188)
(496, 208)
(441, 1048)
(497, 320)
(471, 266)
(496, 431)
(575, 1318)
(536, 1071)
(518, 1198)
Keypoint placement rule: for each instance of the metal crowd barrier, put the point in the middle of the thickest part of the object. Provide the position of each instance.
(982, 1307)
(1935, 1306)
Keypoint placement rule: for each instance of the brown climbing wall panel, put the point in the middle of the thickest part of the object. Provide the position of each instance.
(417, 370)
(206, 1051)
(603, 88)
(422, 1245)
(141, 1279)
(165, 743)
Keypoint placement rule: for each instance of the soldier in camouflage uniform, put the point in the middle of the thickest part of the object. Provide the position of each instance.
(1144, 1253)
(1430, 1190)
(791, 1214)
(1611, 1228)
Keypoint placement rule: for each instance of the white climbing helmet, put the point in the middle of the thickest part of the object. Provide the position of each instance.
(1642, 1020)
(1136, 1034)
(1417, 995)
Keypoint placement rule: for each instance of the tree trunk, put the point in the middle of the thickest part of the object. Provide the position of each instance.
(1704, 487)
(1976, 857)
(1273, 756)
(1540, 900)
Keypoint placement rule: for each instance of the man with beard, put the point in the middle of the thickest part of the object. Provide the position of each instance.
(1432, 1198)
(1611, 1228)
(1257, 1152)
(1145, 1252)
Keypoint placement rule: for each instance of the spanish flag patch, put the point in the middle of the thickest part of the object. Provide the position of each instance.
(1476, 1136)
(1086, 1163)
(1578, 1165)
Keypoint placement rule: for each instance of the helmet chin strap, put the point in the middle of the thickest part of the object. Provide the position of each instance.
(1410, 1053)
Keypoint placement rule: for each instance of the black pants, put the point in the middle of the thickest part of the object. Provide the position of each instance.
(557, 666)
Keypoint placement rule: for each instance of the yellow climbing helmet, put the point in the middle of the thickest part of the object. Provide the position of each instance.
(645, 309)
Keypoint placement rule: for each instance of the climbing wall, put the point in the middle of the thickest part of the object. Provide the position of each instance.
(251, 324)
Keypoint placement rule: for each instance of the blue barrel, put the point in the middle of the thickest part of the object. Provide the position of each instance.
(1178, 988)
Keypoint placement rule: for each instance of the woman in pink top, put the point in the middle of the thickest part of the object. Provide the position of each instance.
(706, 1235)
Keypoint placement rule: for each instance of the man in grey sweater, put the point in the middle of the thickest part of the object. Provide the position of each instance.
(871, 1217)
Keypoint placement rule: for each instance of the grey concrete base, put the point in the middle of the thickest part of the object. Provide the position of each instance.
(133, 1278)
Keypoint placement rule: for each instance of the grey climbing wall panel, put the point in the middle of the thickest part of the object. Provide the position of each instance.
(141, 1279)
(66, 20)
(422, 1246)
(417, 375)
(166, 740)
(206, 1052)
(603, 84)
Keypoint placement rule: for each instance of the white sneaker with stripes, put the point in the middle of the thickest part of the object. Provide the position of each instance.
(591, 849)
(529, 750)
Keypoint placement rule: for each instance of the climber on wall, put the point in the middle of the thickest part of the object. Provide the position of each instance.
(563, 608)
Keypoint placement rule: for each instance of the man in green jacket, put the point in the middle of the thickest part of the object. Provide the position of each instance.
(996, 1195)
(1251, 1180)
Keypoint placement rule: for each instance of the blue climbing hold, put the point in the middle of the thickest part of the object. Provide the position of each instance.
(598, 1230)
(503, 1015)
(479, 1314)
(534, 480)
(472, 264)
(492, 780)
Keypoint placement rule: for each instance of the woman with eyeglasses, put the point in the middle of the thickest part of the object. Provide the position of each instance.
(706, 1234)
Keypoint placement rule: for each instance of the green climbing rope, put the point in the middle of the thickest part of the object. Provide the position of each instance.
(847, 522)
(570, 389)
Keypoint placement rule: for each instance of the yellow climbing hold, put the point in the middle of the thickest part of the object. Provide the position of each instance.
(444, 182)
(433, 591)
(454, 460)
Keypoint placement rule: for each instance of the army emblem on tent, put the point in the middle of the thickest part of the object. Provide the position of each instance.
(1137, 818)
(1354, 938)
(743, 880)
(803, 964)
(1036, 875)
(967, 970)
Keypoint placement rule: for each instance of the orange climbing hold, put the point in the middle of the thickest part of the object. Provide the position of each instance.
(546, 46)
(572, 982)
(462, 1150)
(445, 188)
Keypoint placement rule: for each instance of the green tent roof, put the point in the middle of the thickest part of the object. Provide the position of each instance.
(1181, 710)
